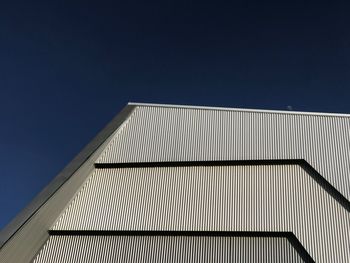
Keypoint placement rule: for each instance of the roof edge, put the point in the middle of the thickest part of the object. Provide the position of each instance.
(40, 199)
(347, 115)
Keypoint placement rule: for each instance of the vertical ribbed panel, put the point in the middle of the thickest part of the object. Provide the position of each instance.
(229, 198)
(166, 249)
(156, 134)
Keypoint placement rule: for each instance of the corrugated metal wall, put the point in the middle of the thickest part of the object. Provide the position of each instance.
(229, 198)
(156, 134)
(166, 249)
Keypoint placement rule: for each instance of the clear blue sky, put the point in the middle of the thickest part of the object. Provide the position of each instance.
(67, 67)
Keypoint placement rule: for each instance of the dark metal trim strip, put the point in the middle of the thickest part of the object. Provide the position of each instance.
(165, 233)
(198, 163)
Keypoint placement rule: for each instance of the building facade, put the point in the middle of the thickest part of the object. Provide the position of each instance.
(179, 183)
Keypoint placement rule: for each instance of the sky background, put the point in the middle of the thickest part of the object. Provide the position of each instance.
(67, 67)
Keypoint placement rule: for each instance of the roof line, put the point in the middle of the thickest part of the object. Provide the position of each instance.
(16, 223)
(239, 109)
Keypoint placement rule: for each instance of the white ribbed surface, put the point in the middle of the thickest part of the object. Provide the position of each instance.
(166, 249)
(155, 134)
(231, 198)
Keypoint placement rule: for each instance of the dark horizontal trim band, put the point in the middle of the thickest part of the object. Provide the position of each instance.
(167, 233)
(301, 162)
(289, 235)
(197, 163)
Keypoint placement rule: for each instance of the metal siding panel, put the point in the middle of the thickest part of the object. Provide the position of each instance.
(167, 249)
(218, 198)
(156, 134)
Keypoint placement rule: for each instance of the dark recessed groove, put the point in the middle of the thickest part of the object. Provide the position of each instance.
(326, 185)
(197, 163)
(166, 233)
(294, 241)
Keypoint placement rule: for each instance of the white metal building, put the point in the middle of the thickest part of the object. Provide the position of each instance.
(167, 183)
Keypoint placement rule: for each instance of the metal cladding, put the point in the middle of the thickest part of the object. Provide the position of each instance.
(156, 134)
(219, 198)
(194, 184)
(167, 249)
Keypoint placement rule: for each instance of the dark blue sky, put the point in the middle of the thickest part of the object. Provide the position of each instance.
(67, 68)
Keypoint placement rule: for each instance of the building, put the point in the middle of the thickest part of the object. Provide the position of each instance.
(179, 183)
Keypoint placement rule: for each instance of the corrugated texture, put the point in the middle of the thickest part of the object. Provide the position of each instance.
(156, 134)
(230, 198)
(166, 249)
